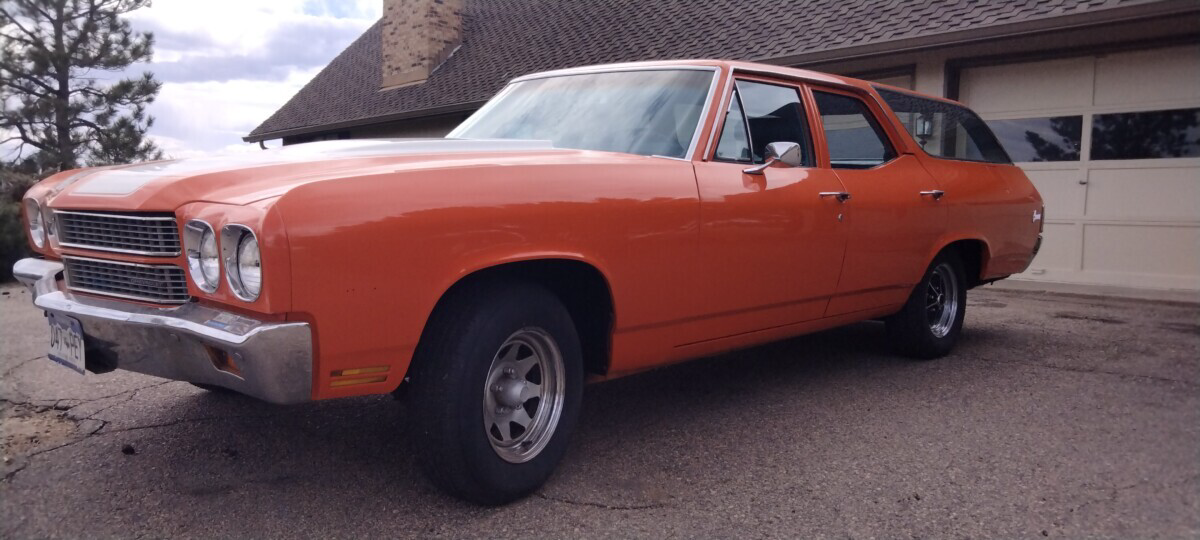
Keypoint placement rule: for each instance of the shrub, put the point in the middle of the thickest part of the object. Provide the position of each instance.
(13, 244)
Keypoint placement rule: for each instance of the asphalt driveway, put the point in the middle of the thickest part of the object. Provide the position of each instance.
(1056, 416)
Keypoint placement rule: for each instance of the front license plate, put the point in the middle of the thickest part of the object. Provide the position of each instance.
(66, 342)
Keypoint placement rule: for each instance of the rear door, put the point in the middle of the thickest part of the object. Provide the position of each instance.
(894, 213)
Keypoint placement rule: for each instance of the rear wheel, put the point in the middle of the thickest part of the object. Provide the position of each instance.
(495, 391)
(929, 324)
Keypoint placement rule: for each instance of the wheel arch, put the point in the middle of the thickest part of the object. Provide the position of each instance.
(581, 285)
(975, 254)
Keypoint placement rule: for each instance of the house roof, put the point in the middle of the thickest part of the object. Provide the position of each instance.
(504, 39)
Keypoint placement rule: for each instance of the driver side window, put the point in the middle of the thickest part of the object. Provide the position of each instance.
(772, 113)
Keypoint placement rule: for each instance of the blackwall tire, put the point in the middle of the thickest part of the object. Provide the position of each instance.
(495, 390)
(931, 320)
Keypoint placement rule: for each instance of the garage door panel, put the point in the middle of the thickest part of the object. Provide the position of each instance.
(1165, 250)
(1121, 79)
(1061, 191)
(1150, 194)
(1053, 84)
(1060, 248)
(1110, 121)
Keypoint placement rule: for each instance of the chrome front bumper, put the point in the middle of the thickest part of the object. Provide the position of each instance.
(194, 343)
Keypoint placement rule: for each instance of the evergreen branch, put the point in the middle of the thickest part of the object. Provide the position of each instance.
(26, 139)
(35, 41)
(26, 77)
(30, 91)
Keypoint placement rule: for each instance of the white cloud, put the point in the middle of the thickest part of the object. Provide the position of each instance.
(209, 115)
(226, 65)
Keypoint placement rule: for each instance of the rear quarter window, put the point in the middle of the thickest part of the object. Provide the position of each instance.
(944, 129)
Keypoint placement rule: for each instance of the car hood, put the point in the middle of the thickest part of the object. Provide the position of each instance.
(261, 174)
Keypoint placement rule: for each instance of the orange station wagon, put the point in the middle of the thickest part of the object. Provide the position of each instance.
(584, 224)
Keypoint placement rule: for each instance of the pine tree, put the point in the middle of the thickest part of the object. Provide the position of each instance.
(50, 98)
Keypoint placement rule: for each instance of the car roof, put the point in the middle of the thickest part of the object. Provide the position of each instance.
(735, 66)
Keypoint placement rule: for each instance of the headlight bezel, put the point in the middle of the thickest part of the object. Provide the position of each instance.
(194, 234)
(35, 223)
(233, 236)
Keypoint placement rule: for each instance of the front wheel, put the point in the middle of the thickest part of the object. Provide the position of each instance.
(930, 322)
(495, 391)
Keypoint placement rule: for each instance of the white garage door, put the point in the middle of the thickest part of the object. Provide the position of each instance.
(1113, 144)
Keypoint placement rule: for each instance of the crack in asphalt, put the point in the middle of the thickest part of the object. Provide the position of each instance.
(24, 460)
(79, 422)
(651, 506)
(19, 365)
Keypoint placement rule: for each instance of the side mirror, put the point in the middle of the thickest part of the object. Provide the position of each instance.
(787, 153)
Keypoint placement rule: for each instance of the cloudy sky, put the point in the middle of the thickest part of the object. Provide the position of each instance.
(226, 65)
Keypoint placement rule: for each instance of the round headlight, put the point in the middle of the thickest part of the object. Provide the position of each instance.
(249, 267)
(37, 227)
(210, 260)
(203, 257)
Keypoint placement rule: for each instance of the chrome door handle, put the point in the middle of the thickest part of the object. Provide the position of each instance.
(935, 193)
(841, 196)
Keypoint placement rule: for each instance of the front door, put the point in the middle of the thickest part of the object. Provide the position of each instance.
(771, 246)
(894, 214)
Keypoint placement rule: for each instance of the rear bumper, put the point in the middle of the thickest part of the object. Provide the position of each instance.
(1037, 246)
(194, 343)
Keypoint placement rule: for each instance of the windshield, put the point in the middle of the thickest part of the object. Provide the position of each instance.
(635, 112)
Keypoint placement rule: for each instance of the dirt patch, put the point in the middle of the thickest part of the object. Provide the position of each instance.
(25, 429)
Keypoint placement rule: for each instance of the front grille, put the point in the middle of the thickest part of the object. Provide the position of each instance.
(158, 283)
(140, 234)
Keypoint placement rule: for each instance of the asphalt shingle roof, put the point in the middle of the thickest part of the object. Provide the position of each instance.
(503, 39)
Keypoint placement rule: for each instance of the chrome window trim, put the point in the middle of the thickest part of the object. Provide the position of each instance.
(58, 233)
(232, 234)
(148, 299)
(704, 115)
(706, 108)
(878, 127)
(737, 93)
(723, 106)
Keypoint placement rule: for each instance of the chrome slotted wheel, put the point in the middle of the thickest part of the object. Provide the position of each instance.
(941, 300)
(523, 395)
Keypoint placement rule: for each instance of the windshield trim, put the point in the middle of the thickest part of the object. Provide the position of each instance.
(702, 121)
